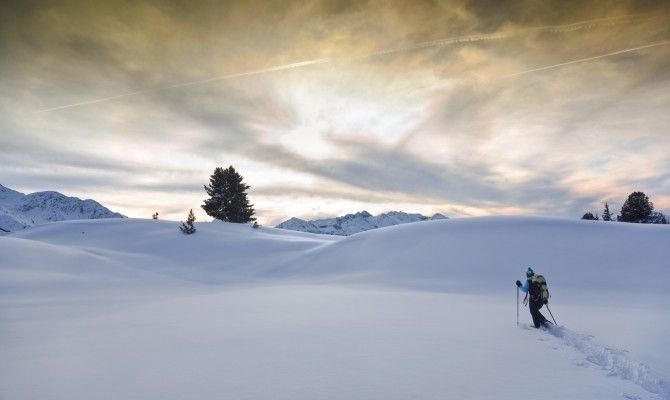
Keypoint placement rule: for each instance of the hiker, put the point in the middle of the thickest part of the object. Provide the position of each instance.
(536, 286)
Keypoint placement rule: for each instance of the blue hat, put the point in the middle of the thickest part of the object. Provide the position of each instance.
(529, 272)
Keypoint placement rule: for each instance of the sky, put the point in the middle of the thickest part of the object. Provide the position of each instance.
(466, 108)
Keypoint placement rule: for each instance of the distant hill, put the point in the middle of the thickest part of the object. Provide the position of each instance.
(19, 211)
(354, 223)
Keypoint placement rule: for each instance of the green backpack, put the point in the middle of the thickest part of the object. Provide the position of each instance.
(538, 289)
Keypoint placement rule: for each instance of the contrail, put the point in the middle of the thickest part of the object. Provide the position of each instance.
(198, 82)
(591, 23)
(416, 46)
(253, 72)
(581, 60)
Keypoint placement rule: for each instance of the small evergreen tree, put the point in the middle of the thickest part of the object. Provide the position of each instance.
(589, 216)
(188, 227)
(606, 213)
(656, 217)
(636, 208)
(154, 215)
(228, 198)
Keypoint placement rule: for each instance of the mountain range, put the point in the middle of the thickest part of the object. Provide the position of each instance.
(354, 223)
(19, 211)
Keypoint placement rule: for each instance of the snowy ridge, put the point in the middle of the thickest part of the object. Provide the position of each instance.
(354, 223)
(615, 361)
(19, 211)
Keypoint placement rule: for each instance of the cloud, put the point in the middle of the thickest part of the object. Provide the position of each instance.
(427, 120)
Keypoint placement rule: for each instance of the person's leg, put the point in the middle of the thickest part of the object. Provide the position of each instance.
(543, 320)
(535, 313)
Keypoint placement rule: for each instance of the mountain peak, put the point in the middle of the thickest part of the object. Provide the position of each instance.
(353, 223)
(7, 192)
(19, 211)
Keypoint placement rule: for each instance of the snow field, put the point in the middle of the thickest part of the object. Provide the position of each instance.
(113, 309)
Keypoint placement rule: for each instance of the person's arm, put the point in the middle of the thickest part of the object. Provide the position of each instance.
(525, 286)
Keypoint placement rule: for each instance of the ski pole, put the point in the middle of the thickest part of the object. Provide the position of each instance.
(552, 315)
(517, 306)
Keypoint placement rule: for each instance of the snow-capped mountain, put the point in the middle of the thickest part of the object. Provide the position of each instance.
(19, 211)
(354, 223)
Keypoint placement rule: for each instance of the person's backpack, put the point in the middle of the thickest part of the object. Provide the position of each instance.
(538, 289)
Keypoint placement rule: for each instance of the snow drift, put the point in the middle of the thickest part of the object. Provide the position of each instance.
(126, 308)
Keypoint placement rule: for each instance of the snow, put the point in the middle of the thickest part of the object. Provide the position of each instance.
(614, 361)
(129, 308)
(19, 211)
(354, 223)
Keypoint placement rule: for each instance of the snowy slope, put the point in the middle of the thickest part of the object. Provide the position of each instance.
(128, 308)
(354, 223)
(19, 211)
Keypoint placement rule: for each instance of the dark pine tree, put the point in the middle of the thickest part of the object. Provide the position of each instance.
(228, 197)
(636, 208)
(589, 216)
(606, 213)
(188, 227)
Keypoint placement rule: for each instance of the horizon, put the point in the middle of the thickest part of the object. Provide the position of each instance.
(325, 109)
(614, 209)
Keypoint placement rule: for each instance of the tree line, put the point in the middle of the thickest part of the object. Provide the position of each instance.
(636, 209)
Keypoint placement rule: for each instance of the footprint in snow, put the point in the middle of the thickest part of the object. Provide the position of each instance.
(614, 361)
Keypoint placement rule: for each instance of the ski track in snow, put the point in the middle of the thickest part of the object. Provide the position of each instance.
(617, 362)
